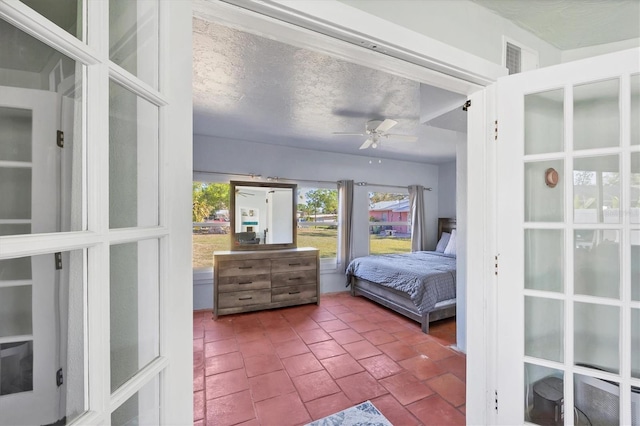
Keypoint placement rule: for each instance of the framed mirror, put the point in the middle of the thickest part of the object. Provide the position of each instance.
(263, 215)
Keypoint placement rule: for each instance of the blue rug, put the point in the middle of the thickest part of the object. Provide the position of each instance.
(365, 414)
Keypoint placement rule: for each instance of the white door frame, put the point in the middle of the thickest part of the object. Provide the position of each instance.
(468, 75)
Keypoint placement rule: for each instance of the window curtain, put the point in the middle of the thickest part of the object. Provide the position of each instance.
(418, 228)
(345, 223)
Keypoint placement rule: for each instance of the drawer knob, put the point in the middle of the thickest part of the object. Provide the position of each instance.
(294, 264)
(294, 292)
(245, 298)
(295, 278)
(245, 267)
(246, 282)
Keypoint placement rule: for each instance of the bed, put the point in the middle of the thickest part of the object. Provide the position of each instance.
(418, 285)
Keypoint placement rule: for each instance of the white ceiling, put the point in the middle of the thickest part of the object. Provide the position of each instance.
(257, 89)
(253, 88)
(572, 24)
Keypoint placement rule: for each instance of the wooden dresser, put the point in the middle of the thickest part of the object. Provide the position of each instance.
(246, 281)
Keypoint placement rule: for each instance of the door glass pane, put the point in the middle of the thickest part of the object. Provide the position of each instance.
(542, 202)
(635, 110)
(133, 37)
(40, 89)
(596, 115)
(597, 401)
(15, 193)
(544, 328)
(15, 310)
(133, 159)
(596, 189)
(597, 263)
(67, 14)
(143, 408)
(544, 395)
(596, 337)
(544, 259)
(15, 269)
(635, 264)
(16, 367)
(16, 134)
(544, 122)
(134, 308)
(46, 305)
(635, 344)
(634, 216)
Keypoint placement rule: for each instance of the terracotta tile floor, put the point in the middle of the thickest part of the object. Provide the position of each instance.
(293, 365)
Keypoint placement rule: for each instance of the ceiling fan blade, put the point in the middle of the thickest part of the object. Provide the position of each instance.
(348, 134)
(351, 113)
(386, 125)
(366, 143)
(404, 138)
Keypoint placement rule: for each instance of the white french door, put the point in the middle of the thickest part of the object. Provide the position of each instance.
(568, 210)
(95, 237)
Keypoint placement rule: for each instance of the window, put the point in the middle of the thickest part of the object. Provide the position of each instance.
(210, 221)
(389, 225)
(318, 222)
(317, 212)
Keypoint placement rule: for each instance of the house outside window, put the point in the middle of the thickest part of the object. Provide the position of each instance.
(389, 223)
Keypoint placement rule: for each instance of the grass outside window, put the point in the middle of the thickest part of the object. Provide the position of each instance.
(324, 239)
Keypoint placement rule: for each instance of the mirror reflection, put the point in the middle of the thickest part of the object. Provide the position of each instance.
(263, 215)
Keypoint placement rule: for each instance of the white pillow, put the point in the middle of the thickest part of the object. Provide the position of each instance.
(442, 244)
(451, 245)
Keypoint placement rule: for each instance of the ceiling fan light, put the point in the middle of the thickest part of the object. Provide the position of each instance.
(374, 145)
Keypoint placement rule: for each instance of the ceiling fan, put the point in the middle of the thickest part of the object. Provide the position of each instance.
(376, 130)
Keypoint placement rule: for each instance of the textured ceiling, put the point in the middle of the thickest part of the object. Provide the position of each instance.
(571, 24)
(253, 88)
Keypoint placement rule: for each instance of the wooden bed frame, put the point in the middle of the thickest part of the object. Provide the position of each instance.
(399, 301)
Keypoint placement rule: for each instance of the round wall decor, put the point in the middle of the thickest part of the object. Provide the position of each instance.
(551, 177)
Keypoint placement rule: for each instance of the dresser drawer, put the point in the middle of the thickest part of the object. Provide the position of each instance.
(243, 282)
(243, 298)
(240, 268)
(302, 277)
(299, 292)
(298, 263)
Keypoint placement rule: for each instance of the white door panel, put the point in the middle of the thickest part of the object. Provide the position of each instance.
(566, 198)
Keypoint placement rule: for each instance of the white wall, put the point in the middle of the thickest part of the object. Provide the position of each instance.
(230, 156)
(461, 23)
(601, 49)
(447, 190)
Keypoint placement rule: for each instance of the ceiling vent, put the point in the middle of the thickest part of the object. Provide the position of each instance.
(518, 58)
(513, 59)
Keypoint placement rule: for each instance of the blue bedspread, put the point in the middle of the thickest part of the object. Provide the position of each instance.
(428, 277)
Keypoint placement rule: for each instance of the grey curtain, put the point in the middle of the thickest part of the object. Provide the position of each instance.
(345, 223)
(418, 228)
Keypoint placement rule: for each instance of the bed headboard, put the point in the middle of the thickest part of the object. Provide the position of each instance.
(445, 224)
